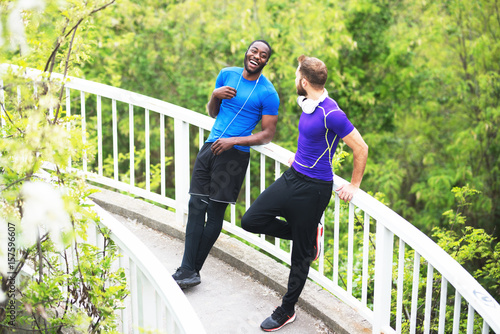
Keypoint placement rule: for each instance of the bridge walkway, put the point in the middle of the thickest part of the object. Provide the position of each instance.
(230, 300)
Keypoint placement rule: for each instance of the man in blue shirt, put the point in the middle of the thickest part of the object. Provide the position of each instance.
(241, 98)
(302, 193)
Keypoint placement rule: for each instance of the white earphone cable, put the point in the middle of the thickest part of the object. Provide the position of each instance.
(256, 82)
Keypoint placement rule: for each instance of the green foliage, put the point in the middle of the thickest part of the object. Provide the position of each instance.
(74, 284)
(82, 293)
(445, 134)
(418, 79)
(339, 158)
(473, 248)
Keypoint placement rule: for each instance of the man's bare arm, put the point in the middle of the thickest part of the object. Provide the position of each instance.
(360, 154)
(262, 137)
(218, 95)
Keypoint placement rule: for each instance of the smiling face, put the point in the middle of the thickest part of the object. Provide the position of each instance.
(256, 57)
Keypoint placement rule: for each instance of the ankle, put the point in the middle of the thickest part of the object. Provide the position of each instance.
(289, 308)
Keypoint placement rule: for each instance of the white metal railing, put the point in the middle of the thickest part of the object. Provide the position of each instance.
(156, 303)
(165, 308)
(395, 238)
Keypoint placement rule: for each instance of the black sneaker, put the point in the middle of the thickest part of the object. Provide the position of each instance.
(278, 319)
(186, 278)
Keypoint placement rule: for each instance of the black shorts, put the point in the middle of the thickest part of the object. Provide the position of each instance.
(219, 176)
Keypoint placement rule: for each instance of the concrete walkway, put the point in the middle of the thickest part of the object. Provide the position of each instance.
(240, 286)
(226, 301)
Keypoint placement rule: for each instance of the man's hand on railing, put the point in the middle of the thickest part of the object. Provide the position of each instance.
(346, 191)
(291, 160)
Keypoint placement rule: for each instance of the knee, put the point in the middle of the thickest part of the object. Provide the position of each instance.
(198, 203)
(216, 209)
(246, 222)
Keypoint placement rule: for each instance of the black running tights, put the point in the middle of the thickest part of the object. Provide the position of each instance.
(201, 235)
(300, 200)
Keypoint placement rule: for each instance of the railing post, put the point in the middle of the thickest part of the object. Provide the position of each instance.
(84, 130)
(99, 136)
(182, 169)
(131, 143)
(383, 278)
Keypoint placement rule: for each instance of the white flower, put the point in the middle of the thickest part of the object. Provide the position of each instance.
(16, 25)
(43, 207)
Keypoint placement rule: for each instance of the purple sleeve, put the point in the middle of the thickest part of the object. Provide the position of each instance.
(338, 122)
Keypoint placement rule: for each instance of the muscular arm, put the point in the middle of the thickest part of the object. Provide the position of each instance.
(360, 153)
(218, 95)
(262, 137)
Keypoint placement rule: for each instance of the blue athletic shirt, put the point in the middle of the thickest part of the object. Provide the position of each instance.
(264, 100)
(327, 122)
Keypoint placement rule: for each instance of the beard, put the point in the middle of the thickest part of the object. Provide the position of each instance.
(300, 89)
(247, 68)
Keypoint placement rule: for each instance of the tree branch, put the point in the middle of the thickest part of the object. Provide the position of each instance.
(103, 7)
(8, 117)
(40, 257)
(67, 290)
(52, 57)
(16, 182)
(73, 31)
(65, 73)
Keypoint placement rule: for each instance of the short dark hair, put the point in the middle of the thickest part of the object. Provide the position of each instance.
(266, 43)
(313, 70)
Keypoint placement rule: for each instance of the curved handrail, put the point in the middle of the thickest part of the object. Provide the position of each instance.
(180, 310)
(449, 268)
(389, 223)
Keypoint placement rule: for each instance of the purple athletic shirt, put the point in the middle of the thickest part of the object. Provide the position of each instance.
(327, 122)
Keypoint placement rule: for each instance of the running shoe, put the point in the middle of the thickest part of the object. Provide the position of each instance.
(319, 241)
(277, 320)
(186, 278)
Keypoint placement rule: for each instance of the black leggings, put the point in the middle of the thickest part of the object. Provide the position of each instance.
(301, 200)
(201, 235)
